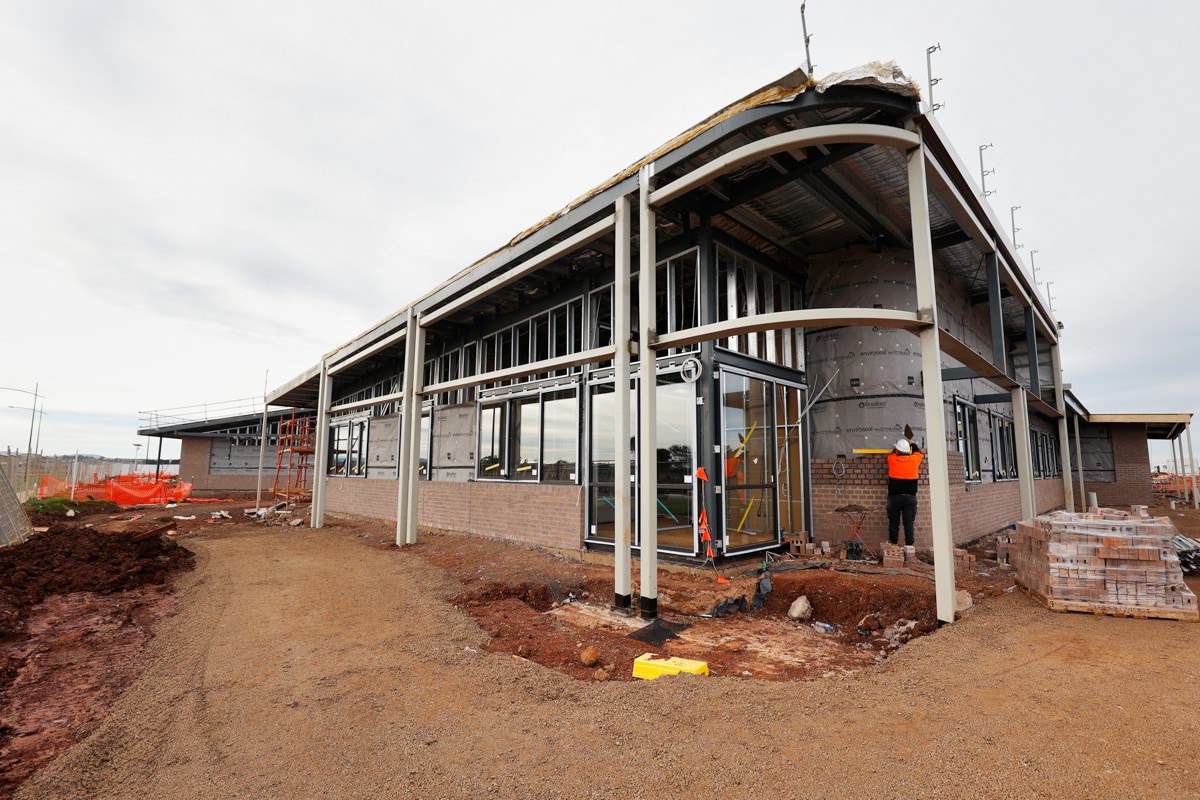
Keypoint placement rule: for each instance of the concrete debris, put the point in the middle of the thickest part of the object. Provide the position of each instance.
(296, 523)
(897, 634)
(801, 609)
(221, 515)
(177, 516)
(600, 675)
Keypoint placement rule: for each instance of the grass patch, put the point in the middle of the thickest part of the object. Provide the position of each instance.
(58, 506)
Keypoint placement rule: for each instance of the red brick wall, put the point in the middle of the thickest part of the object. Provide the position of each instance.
(1131, 455)
(194, 454)
(548, 515)
(977, 509)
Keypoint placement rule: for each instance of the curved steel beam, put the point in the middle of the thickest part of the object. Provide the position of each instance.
(807, 137)
(803, 318)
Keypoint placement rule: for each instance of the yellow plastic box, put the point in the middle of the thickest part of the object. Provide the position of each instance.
(647, 667)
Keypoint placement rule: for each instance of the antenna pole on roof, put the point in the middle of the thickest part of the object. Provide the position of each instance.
(1033, 265)
(1050, 297)
(1012, 215)
(983, 173)
(808, 65)
(929, 51)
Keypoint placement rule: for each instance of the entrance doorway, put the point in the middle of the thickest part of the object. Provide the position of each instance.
(762, 474)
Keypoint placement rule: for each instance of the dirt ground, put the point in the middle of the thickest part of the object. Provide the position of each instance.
(307, 663)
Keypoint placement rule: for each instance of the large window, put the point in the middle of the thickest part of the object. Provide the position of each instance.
(749, 461)
(966, 419)
(348, 448)
(518, 436)
(1004, 449)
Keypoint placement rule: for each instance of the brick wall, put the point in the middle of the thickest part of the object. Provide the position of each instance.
(547, 515)
(976, 509)
(194, 457)
(1134, 484)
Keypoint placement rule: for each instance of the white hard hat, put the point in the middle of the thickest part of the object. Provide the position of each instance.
(903, 446)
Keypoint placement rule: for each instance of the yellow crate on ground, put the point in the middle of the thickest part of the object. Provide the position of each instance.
(647, 667)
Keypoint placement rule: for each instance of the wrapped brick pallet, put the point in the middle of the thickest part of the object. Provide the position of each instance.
(1103, 562)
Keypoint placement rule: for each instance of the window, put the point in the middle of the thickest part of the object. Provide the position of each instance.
(967, 427)
(527, 437)
(1036, 453)
(493, 438)
(518, 436)
(1004, 449)
(560, 436)
(348, 448)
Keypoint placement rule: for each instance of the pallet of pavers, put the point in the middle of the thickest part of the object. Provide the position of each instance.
(1103, 562)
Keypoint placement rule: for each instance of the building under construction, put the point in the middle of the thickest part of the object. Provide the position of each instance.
(724, 331)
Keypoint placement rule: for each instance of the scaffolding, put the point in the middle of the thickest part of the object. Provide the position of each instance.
(294, 458)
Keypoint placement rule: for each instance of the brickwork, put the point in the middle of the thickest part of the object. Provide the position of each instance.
(547, 515)
(1134, 484)
(976, 509)
(194, 457)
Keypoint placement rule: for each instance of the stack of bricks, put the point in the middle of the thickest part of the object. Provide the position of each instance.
(893, 555)
(1104, 561)
(964, 562)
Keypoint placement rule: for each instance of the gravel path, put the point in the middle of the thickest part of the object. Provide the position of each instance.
(306, 664)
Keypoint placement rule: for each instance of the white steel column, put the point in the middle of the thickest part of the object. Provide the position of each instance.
(1175, 457)
(1079, 463)
(414, 463)
(931, 370)
(1024, 454)
(262, 457)
(1192, 468)
(406, 405)
(321, 467)
(647, 388)
(622, 591)
(1064, 446)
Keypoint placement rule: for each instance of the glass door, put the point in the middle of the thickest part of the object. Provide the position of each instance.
(749, 466)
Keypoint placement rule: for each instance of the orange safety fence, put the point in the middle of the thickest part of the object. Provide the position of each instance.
(125, 490)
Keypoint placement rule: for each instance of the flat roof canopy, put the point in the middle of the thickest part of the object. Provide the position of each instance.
(1158, 426)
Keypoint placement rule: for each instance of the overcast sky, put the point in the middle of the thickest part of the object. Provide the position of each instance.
(195, 193)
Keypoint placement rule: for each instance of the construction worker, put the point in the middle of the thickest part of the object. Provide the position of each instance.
(904, 465)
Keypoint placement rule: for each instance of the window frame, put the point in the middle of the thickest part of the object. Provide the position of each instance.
(510, 434)
(966, 422)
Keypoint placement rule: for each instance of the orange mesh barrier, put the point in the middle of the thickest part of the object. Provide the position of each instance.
(125, 490)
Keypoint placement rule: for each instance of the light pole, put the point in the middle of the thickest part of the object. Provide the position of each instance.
(137, 446)
(1012, 215)
(983, 173)
(29, 447)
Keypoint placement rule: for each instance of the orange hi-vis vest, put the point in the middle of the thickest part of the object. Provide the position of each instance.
(904, 468)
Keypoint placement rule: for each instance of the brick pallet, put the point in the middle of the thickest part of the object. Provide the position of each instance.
(1103, 562)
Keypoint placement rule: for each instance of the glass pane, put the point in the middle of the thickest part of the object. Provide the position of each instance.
(685, 292)
(560, 436)
(675, 432)
(492, 436)
(426, 425)
(603, 467)
(749, 472)
(337, 449)
(562, 331)
(522, 333)
(527, 437)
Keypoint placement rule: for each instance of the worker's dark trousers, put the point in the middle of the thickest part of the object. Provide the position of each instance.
(901, 506)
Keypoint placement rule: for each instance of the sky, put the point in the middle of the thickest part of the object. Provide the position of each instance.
(200, 198)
